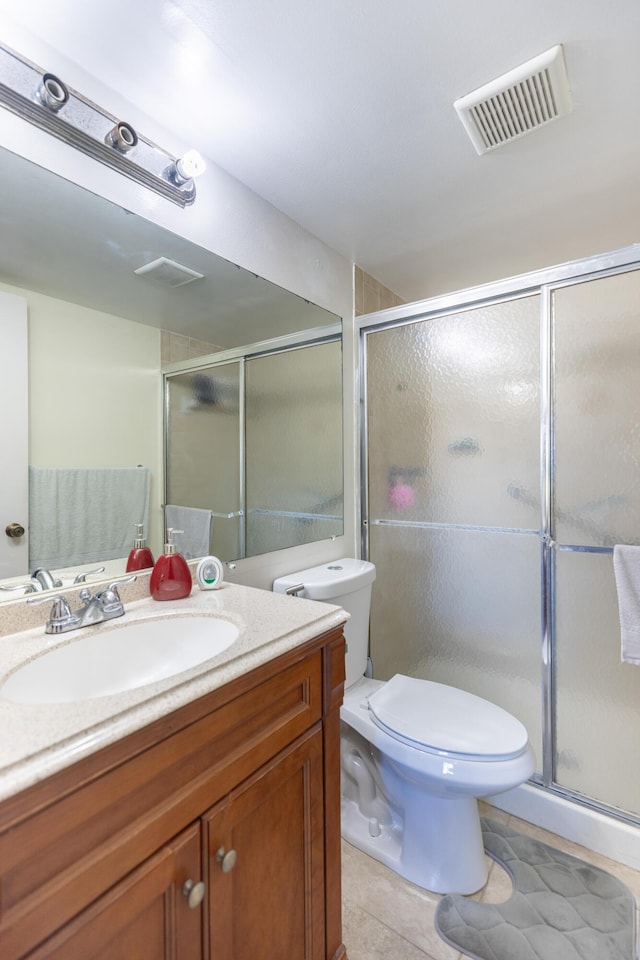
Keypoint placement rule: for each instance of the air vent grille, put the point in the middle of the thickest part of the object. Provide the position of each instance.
(168, 272)
(517, 103)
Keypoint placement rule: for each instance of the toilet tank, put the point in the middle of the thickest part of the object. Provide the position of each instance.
(347, 584)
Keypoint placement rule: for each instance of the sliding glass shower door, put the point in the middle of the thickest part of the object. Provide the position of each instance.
(453, 460)
(596, 504)
(502, 452)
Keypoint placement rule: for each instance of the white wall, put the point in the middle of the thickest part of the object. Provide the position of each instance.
(93, 379)
(227, 219)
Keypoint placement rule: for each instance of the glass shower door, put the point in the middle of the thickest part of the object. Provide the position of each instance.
(596, 328)
(294, 447)
(203, 444)
(454, 507)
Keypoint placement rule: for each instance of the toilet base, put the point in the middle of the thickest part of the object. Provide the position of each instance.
(445, 854)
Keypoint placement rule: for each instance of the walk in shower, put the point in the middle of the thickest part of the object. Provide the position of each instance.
(501, 463)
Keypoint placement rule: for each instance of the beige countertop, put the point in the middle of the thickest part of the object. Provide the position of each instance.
(38, 740)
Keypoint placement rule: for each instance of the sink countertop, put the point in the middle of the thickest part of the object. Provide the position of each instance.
(37, 740)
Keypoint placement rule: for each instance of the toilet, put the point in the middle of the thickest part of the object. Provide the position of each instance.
(415, 754)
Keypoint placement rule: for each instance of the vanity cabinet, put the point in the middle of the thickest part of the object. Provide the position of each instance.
(211, 833)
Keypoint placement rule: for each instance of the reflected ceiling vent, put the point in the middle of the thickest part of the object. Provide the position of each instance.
(168, 272)
(518, 102)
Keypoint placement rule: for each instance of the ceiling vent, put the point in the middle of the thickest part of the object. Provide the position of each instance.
(516, 103)
(168, 272)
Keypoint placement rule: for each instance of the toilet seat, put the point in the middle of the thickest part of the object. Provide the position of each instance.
(444, 720)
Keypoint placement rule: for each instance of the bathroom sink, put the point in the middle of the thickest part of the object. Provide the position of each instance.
(118, 659)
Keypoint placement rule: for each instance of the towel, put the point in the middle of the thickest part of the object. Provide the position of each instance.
(81, 515)
(195, 525)
(626, 566)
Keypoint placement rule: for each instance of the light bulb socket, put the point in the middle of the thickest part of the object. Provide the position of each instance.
(122, 137)
(52, 93)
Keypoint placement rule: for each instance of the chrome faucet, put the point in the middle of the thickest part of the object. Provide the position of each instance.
(39, 580)
(43, 580)
(46, 579)
(105, 605)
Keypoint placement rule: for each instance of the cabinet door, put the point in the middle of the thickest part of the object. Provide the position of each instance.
(265, 851)
(145, 917)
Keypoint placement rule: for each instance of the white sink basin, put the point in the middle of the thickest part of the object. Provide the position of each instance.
(117, 659)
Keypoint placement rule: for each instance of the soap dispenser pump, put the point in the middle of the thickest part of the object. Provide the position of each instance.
(171, 577)
(140, 557)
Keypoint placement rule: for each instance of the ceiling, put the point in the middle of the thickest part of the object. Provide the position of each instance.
(341, 115)
(71, 244)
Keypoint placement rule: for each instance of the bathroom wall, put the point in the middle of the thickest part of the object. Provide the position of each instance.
(87, 372)
(228, 219)
(175, 347)
(369, 295)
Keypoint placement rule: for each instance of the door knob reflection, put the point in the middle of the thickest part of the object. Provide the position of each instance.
(14, 531)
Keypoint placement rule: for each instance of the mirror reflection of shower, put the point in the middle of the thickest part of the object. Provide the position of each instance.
(257, 440)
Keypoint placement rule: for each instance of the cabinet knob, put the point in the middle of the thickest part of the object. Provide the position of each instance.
(14, 530)
(226, 859)
(193, 893)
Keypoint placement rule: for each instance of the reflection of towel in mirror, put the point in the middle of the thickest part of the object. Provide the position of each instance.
(195, 525)
(626, 566)
(84, 515)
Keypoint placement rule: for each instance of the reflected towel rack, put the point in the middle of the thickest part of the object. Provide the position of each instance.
(220, 516)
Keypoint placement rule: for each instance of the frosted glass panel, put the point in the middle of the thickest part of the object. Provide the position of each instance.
(598, 697)
(597, 421)
(463, 608)
(294, 446)
(454, 418)
(203, 444)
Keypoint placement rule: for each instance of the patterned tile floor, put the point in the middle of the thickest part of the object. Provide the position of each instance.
(388, 918)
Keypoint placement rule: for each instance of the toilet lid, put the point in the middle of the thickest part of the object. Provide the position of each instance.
(444, 720)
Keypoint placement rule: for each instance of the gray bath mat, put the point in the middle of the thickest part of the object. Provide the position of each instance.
(561, 908)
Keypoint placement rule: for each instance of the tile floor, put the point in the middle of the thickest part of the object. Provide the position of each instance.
(388, 918)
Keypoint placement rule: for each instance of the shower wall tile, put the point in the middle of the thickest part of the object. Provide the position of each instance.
(175, 347)
(371, 295)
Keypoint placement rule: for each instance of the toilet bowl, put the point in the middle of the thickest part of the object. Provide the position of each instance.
(415, 754)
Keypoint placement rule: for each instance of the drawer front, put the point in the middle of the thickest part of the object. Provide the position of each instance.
(62, 858)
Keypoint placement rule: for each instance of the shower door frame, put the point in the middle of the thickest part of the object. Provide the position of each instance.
(239, 355)
(542, 283)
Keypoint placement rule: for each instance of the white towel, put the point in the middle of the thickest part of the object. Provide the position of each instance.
(626, 566)
(195, 525)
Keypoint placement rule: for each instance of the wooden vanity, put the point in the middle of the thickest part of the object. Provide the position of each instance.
(211, 832)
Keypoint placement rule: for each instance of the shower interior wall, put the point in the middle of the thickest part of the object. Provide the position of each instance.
(501, 440)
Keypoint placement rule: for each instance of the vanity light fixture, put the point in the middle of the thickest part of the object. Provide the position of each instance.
(44, 100)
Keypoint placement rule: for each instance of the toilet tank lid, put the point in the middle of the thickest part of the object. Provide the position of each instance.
(446, 720)
(329, 580)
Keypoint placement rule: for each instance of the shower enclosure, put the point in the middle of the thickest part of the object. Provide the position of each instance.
(256, 438)
(501, 463)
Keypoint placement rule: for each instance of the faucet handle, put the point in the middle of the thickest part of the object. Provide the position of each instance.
(110, 598)
(60, 615)
(82, 577)
(113, 587)
(29, 586)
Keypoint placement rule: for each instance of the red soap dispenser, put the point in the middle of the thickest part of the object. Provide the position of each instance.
(171, 577)
(140, 557)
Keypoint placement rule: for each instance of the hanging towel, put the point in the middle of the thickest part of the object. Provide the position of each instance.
(84, 515)
(626, 566)
(196, 529)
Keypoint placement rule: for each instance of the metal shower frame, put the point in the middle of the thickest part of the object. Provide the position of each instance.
(542, 283)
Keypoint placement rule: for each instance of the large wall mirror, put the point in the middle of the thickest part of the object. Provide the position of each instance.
(100, 336)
